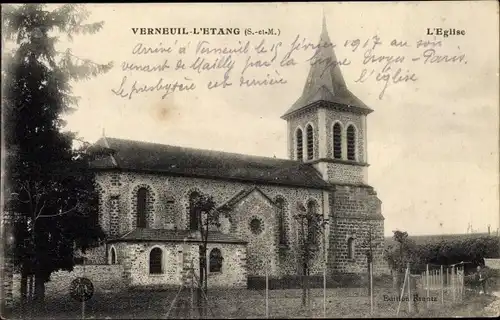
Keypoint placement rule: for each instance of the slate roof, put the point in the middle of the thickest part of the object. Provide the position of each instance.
(159, 158)
(325, 81)
(146, 235)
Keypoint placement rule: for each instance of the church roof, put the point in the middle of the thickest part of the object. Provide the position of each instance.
(145, 234)
(159, 158)
(325, 81)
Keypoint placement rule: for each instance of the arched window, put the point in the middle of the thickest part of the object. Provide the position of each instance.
(300, 148)
(280, 215)
(112, 254)
(142, 203)
(337, 141)
(215, 260)
(310, 142)
(351, 143)
(350, 248)
(312, 222)
(155, 265)
(194, 214)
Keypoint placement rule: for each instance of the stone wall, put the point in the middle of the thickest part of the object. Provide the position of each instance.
(169, 208)
(174, 264)
(259, 212)
(345, 173)
(234, 266)
(353, 207)
(97, 255)
(356, 214)
(103, 277)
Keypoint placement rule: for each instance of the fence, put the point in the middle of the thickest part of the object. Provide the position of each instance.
(436, 282)
(437, 288)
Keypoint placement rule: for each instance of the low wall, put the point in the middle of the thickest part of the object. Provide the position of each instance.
(104, 277)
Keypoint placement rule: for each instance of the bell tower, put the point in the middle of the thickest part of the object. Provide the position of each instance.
(327, 124)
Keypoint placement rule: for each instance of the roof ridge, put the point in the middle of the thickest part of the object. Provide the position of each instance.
(151, 157)
(204, 150)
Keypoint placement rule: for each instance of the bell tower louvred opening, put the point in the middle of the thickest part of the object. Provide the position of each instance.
(331, 120)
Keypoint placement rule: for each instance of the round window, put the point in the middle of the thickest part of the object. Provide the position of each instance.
(256, 226)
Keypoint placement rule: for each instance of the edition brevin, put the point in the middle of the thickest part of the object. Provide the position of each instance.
(445, 32)
(186, 31)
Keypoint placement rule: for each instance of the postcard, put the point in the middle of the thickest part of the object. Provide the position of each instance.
(250, 160)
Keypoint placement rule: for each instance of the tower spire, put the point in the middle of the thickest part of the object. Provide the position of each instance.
(325, 81)
(323, 31)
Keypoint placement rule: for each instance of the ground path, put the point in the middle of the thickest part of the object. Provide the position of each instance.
(493, 309)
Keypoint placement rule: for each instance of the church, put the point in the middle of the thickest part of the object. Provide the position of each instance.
(146, 192)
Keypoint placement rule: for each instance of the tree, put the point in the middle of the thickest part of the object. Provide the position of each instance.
(54, 200)
(311, 225)
(370, 242)
(207, 214)
(399, 258)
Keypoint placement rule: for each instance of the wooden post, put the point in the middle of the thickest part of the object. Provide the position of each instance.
(434, 278)
(324, 292)
(83, 301)
(427, 282)
(453, 282)
(462, 276)
(191, 311)
(325, 256)
(442, 285)
(448, 276)
(409, 288)
(402, 292)
(267, 295)
(371, 287)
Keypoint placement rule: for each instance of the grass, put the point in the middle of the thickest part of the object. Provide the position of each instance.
(240, 303)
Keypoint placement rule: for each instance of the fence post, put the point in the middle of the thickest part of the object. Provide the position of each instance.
(324, 292)
(453, 282)
(409, 288)
(435, 279)
(432, 279)
(402, 292)
(448, 277)
(371, 287)
(442, 286)
(267, 295)
(427, 282)
(462, 280)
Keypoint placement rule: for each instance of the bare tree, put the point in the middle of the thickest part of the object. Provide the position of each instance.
(311, 228)
(207, 216)
(371, 243)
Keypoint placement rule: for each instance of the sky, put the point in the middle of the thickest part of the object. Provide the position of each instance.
(432, 141)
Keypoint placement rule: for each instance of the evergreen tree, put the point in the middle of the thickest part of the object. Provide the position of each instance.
(50, 184)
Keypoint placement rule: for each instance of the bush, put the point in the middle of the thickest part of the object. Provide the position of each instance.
(444, 252)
